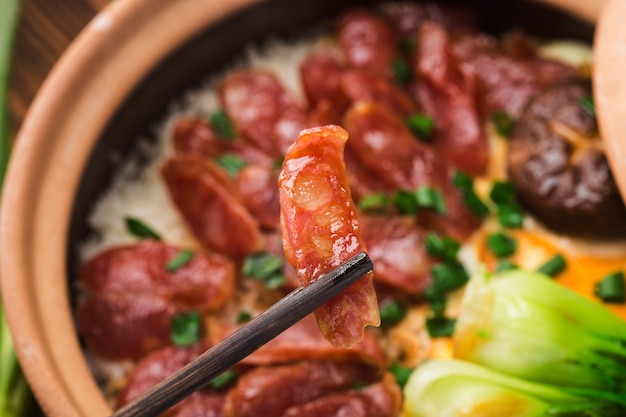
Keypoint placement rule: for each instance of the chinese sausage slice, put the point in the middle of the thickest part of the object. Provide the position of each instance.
(321, 229)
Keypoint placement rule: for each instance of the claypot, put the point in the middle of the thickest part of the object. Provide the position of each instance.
(115, 79)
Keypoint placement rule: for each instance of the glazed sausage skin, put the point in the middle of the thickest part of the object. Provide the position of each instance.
(321, 229)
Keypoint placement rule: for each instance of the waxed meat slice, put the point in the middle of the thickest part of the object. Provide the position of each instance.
(321, 229)
(159, 365)
(321, 74)
(381, 399)
(304, 341)
(383, 144)
(446, 95)
(407, 16)
(396, 246)
(270, 391)
(205, 282)
(207, 199)
(262, 110)
(124, 326)
(258, 192)
(367, 41)
(506, 76)
(129, 297)
(194, 135)
(360, 85)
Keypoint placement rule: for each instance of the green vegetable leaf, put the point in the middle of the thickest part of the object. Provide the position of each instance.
(186, 328)
(222, 125)
(588, 104)
(180, 260)
(401, 71)
(401, 373)
(231, 163)
(503, 123)
(421, 125)
(392, 313)
(611, 288)
(222, 381)
(445, 247)
(375, 202)
(553, 266)
(501, 244)
(265, 267)
(139, 229)
(440, 326)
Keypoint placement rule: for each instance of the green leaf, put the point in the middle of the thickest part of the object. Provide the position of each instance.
(180, 260)
(222, 125)
(265, 267)
(186, 328)
(231, 163)
(422, 126)
(392, 313)
(503, 123)
(440, 326)
(225, 379)
(139, 229)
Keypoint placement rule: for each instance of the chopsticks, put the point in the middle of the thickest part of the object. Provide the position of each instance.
(248, 338)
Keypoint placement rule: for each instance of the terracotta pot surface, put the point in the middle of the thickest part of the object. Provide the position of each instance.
(90, 82)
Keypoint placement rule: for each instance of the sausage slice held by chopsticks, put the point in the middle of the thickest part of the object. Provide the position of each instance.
(321, 229)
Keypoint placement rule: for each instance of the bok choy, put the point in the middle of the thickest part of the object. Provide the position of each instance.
(15, 399)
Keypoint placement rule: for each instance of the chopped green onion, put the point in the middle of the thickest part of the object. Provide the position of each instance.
(376, 202)
(503, 123)
(463, 182)
(449, 276)
(186, 328)
(510, 215)
(224, 380)
(244, 317)
(180, 260)
(475, 204)
(359, 385)
(553, 266)
(422, 126)
(231, 163)
(501, 244)
(611, 288)
(404, 202)
(433, 294)
(265, 267)
(589, 105)
(440, 326)
(428, 197)
(392, 313)
(401, 71)
(139, 229)
(445, 247)
(400, 373)
(505, 265)
(502, 192)
(222, 125)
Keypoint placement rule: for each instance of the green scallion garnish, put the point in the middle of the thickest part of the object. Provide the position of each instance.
(588, 104)
(501, 244)
(405, 45)
(463, 181)
(440, 326)
(376, 202)
(400, 373)
(222, 125)
(510, 215)
(139, 229)
(475, 204)
(181, 259)
(392, 313)
(265, 267)
(222, 381)
(430, 198)
(422, 126)
(503, 192)
(404, 201)
(401, 71)
(553, 266)
(244, 317)
(612, 288)
(445, 247)
(186, 328)
(503, 123)
(231, 163)
(449, 276)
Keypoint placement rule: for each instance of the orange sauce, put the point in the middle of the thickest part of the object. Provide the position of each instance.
(581, 273)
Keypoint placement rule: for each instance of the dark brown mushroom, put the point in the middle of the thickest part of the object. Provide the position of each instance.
(558, 166)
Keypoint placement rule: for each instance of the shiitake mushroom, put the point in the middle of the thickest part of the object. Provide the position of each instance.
(559, 168)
